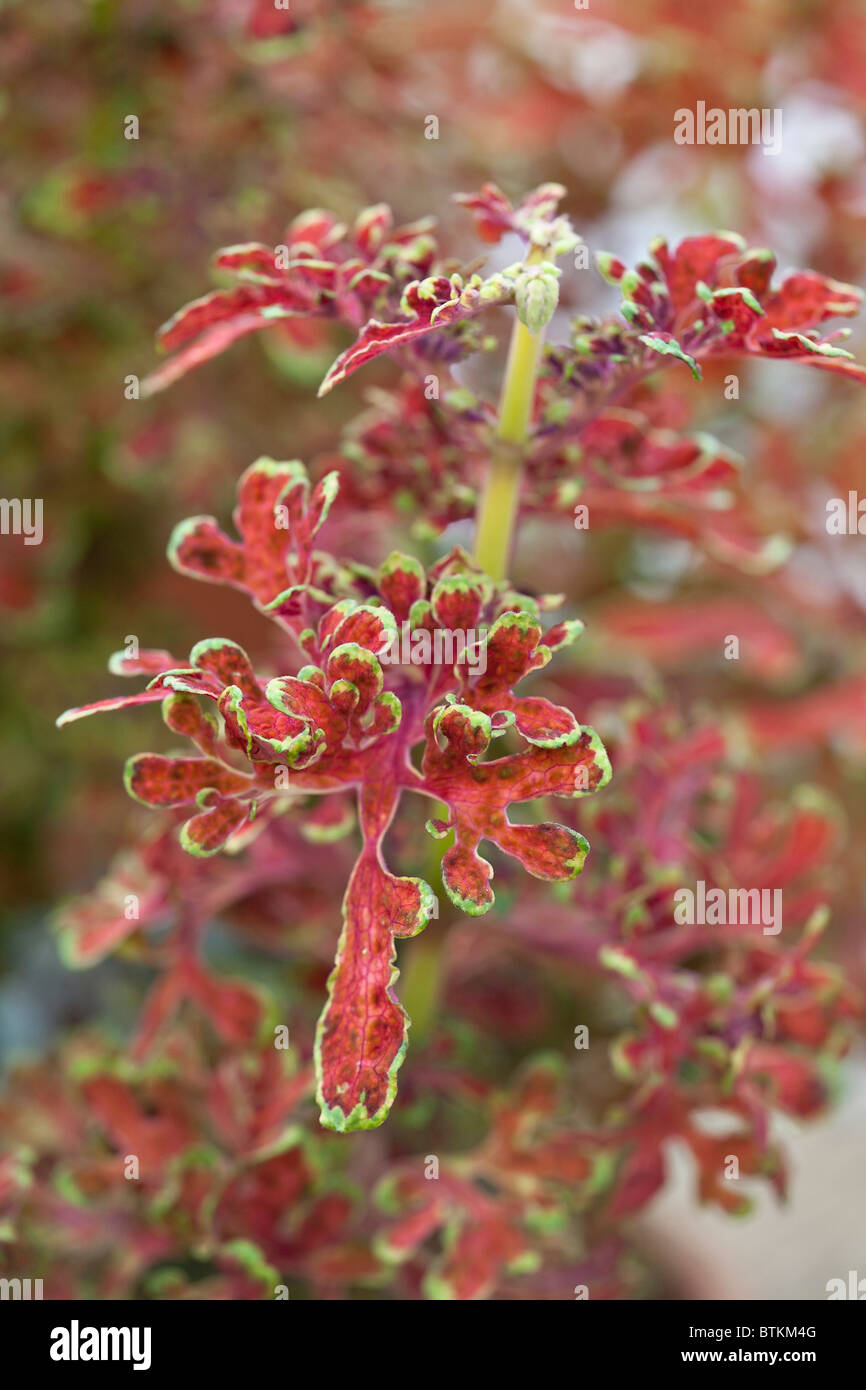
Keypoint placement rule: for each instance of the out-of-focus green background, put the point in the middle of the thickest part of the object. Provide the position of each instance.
(247, 116)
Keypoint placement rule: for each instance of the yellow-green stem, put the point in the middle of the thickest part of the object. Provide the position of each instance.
(421, 960)
(422, 970)
(498, 507)
(421, 982)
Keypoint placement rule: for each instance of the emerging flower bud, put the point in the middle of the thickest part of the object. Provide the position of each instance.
(536, 294)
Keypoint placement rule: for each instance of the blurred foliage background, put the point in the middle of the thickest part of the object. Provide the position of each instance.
(247, 115)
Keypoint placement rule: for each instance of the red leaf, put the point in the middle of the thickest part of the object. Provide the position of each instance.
(156, 780)
(429, 304)
(362, 1034)
(144, 697)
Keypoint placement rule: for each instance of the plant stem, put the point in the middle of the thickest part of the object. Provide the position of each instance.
(498, 507)
(422, 972)
(421, 969)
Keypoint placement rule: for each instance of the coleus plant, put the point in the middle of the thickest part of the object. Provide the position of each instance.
(532, 1200)
(378, 702)
(347, 723)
